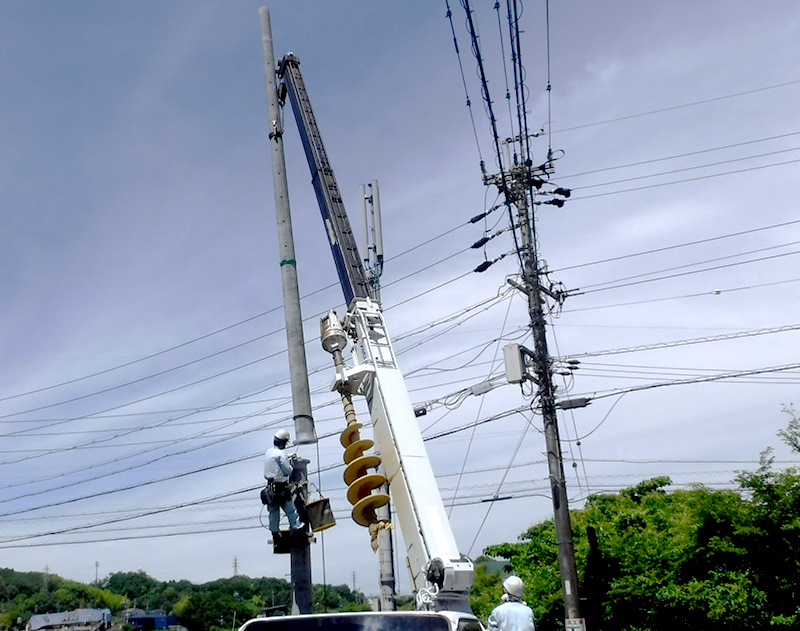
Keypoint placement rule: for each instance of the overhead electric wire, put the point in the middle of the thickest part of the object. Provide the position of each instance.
(476, 51)
(714, 292)
(677, 107)
(146, 482)
(130, 468)
(677, 246)
(148, 397)
(633, 371)
(192, 524)
(232, 325)
(483, 346)
(695, 380)
(132, 455)
(694, 264)
(469, 312)
(227, 497)
(689, 342)
(463, 78)
(82, 417)
(685, 181)
(216, 332)
(128, 487)
(679, 155)
(216, 441)
(505, 68)
(571, 414)
(685, 169)
(142, 359)
(669, 276)
(499, 296)
(504, 297)
(483, 421)
(480, 409)
(467, 501)
(549, 85)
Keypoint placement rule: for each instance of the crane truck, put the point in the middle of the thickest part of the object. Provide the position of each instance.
(441, 576)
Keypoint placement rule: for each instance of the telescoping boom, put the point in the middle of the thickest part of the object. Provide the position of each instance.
(441, 575)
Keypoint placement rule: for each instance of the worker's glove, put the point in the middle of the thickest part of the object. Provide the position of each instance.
(292, 456)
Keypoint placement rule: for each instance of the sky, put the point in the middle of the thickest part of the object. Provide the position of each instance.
(144, 366)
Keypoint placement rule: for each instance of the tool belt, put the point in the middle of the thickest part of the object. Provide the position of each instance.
(276, 493)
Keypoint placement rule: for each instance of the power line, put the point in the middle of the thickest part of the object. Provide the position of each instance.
(692, 179)
(681, 382)
(715, 292)
(142, 359)
(685, 169)
(678, 245)
(689, 342)
(579, 292)
(680, 155)
(209, 335)
(677, 107)
(696, 263)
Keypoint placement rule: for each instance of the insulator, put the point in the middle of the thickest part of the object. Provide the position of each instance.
(477, 218)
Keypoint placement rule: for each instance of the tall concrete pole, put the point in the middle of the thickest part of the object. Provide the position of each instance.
(544, 379)
(301, 399)
(298, 371)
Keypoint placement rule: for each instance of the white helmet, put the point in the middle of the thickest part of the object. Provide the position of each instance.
(282, 436)
(514, 586)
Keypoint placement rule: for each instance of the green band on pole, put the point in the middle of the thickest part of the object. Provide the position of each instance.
(288, 262)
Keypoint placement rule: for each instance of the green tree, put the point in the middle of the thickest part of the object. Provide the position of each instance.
(658, 560)
(651, 559)
(773, 538)
(140, 589)
(338, 598)
(487, 589)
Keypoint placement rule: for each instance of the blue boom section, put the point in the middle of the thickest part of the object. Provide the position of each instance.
(343, 244)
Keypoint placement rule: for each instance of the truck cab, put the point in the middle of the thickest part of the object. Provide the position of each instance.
(368, 621)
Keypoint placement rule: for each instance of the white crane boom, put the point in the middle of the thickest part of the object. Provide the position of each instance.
(441, 576)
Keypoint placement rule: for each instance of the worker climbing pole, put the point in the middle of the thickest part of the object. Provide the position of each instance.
(302, 601)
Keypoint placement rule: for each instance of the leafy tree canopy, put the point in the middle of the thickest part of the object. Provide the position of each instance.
(654, 560)
(213, 606)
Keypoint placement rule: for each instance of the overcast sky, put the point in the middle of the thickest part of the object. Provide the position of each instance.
(143, 354)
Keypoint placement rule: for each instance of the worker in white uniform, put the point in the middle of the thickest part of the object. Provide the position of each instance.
(277, 469)
(514, 614)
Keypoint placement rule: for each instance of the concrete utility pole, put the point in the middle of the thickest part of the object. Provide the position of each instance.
(298, 371)
(517, 184)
